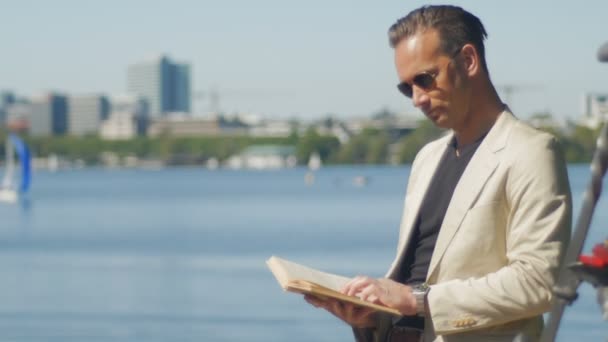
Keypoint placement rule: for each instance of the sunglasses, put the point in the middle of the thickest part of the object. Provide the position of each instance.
(424, 80)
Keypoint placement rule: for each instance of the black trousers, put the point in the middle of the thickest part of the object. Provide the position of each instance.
(408, 329)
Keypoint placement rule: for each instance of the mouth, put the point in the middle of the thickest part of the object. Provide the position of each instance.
(431, 114)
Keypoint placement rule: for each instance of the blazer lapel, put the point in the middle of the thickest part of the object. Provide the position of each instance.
(471, 183)
(415, 196)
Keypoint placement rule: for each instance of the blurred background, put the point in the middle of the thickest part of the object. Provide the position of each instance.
(175, 146)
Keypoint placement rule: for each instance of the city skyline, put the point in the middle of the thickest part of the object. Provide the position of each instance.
(296, 60)
(164, 84)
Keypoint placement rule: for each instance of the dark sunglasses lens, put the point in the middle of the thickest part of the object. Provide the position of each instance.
(424, 81)
(405, 89)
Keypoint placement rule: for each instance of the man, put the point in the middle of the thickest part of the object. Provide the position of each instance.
(487, 211)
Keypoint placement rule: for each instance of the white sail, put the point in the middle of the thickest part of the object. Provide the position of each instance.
(314, 162)
(7, 191)
(10, 189)
(9, 167)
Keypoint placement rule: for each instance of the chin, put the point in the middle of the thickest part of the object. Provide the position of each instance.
(442, 122)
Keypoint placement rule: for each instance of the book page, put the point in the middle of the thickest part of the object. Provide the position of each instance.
(286, 271)
(302, 279)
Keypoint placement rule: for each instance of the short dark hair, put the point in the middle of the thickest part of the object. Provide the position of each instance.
(456, 27)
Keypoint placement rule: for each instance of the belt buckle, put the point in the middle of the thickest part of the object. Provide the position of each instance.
(405, 334)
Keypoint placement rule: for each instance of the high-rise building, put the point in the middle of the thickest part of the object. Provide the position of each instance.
(86, 112)
(128, 118)
(17, 116)
(48, 115)
(181, 83)
(595, 109)
(164, 84)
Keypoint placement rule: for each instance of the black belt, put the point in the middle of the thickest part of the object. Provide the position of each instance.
(407, 329)
(404, 334)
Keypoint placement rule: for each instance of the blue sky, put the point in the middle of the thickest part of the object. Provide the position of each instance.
(284, 58)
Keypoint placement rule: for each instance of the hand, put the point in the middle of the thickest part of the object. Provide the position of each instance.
(354, 315)
(383, 291)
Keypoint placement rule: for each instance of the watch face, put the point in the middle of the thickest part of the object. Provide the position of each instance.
(421, 293)
(421, 288)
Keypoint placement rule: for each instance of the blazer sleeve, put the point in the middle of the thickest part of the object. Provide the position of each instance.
(538, 227)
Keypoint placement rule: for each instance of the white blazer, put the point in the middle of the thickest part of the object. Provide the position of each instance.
(502, 239)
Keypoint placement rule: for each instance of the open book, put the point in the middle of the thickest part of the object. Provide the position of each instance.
(301, 279)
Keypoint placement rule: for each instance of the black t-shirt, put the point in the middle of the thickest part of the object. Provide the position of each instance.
(430, 217)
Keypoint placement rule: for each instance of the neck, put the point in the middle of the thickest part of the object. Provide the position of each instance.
(486, 106)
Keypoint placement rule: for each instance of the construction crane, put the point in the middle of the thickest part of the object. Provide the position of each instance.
(213, 96)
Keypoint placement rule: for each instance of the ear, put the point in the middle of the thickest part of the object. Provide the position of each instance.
(470, 57)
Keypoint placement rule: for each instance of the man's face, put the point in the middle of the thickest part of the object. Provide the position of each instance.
(444, 100)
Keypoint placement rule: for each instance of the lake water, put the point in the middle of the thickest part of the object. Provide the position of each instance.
(178, 254)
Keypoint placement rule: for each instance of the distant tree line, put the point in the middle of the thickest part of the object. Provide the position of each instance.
(370, 146)
(579, 142)
(374, 147)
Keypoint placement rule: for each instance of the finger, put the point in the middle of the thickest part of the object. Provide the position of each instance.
(350, 313)
(373, 299)
(337, 308)
(364, 293)
(359, 284)
(312, 302)
(371, 293)
(315, 301)
(358, 314)
(350, 283)
(362, 312)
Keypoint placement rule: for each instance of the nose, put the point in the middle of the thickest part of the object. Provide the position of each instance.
(419, 97)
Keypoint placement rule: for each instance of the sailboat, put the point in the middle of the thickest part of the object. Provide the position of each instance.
(314, 162)
(10, 191)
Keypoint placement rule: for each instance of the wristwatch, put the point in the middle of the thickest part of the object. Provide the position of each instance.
(420, 291)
